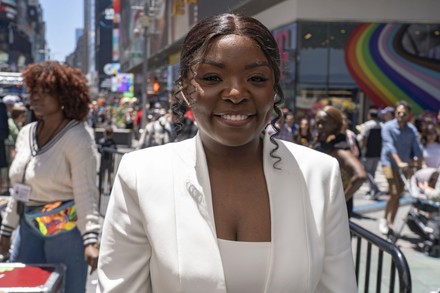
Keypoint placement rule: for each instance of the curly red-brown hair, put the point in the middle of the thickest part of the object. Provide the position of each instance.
(66, 83)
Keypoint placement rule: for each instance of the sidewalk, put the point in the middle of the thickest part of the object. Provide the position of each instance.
(424, 269)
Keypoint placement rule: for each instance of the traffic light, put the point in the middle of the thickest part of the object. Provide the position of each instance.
(156, 87)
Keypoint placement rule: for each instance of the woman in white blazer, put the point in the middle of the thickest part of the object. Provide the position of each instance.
(233, 209)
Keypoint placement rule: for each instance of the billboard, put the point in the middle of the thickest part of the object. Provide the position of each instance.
(122, 82)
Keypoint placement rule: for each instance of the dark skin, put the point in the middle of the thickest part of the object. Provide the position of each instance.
(234, 99)
(239, 194)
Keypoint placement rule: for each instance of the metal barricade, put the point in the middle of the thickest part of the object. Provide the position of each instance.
(109, 163)
(375, 256)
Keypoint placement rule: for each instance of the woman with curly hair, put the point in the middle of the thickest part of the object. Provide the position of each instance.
(332, 140)
(54, 177)
(232, 209)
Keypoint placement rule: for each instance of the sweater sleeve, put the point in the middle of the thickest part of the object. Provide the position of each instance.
(83, 165)
(10, 222)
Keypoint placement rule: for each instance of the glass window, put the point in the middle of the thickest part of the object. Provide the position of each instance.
(338, 75)
(313, 53)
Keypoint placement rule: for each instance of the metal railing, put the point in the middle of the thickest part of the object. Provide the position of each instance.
(386, 252)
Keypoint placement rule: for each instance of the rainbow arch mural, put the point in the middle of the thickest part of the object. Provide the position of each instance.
(387, 73)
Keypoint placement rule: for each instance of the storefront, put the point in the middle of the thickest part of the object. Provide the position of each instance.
(355, 65)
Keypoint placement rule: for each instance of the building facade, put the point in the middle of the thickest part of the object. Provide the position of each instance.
(351, 53)
(22, 34)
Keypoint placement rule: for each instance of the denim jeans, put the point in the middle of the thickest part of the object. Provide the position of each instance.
(66, 248)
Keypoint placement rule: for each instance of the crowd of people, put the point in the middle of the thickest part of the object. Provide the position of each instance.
(392, 137)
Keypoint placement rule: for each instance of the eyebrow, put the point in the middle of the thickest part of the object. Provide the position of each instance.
(248, 66)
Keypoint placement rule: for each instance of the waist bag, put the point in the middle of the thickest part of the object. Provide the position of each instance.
(53, 218)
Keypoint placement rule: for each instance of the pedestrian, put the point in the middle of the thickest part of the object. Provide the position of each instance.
(304, 135)
(10, 101)
(53, 178)
(400, 145)
(332, 140)
(158, 132)
(232, 209)
(371, 146)
(431, 147)
(15, 122)
(107, 146)
(288, 127)
(386, 114)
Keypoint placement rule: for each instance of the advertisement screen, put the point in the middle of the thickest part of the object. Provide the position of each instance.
(123, 82)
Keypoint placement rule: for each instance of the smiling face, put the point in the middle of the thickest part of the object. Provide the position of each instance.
(234, 92)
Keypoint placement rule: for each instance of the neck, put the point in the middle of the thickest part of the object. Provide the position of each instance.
(234, 157)
(48, 128)
(401, 124)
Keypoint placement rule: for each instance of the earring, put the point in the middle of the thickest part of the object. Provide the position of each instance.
(185, 99)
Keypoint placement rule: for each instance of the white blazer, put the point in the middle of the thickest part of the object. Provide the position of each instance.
(159, 233)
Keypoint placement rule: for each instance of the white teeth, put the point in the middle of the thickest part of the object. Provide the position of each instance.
(234, 117)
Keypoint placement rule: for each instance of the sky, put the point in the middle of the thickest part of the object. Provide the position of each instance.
(62, 18)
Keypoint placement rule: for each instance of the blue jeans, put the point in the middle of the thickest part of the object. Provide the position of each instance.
(66, 248)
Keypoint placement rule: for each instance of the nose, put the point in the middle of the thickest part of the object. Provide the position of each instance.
(236, 92)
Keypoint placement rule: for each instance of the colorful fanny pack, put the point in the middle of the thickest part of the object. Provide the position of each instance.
(53, 218)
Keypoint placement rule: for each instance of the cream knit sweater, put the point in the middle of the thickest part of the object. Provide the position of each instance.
(63, 169)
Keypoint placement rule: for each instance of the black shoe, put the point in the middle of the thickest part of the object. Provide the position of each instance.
(392, 236)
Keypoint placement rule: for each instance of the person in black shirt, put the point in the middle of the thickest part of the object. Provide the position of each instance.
(105, 145)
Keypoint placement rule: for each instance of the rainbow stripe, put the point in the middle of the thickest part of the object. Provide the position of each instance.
(387, 73)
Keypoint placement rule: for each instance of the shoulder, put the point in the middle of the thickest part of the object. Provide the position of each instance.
(77, 132)
(412, 127)
(27, 128)
(389, 125)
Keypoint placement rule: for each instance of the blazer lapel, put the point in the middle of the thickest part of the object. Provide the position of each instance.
(198, 251)
(199, 255)
(290, 265)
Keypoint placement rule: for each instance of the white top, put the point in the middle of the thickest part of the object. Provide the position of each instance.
(245, 265)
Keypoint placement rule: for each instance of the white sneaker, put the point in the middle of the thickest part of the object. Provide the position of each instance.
(383, 226)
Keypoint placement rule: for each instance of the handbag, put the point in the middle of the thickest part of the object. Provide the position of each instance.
(52, 218)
